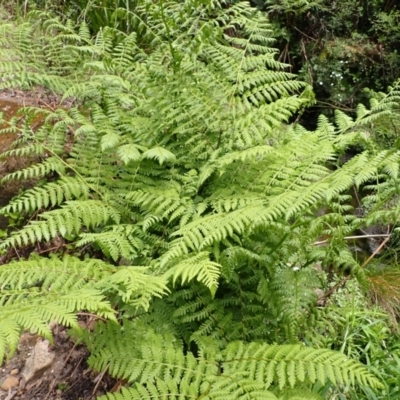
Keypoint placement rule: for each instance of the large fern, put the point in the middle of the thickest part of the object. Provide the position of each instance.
(177, 157)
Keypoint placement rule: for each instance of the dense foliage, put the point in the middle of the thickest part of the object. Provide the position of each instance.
(175, 198)
(341, 48)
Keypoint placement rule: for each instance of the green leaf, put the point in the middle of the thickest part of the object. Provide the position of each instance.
(110, 140)
(160, 154)
(128, 152)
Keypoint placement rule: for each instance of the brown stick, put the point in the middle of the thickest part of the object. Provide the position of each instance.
(98, 381)
(355, 237)
(73, 372)
(375, 252)
(11, 394)
(93, 316)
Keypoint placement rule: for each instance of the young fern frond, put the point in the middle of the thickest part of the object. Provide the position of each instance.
(136, 287)
(197, 266)
(116, 242)
(291, 295)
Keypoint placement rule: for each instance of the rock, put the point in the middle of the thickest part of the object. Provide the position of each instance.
(40, 359)
(321, 297)
(29, 339)
(10, 382)
(53, 325)
(14, 371)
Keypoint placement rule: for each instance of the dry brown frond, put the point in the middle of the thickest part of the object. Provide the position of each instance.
(384, 289)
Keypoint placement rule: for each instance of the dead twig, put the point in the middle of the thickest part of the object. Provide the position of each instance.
(304, 34)
(99, 379)
(72, 374)
(48, 106)
(11, 394)
(375, 252)
(383, 235)
(93, 316)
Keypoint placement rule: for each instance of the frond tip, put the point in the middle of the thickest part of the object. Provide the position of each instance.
(198, 266)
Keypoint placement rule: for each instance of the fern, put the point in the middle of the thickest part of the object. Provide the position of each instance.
(239, 371)
(119, 241)
(40, 290)
(198, 266)
(291, 294)
(50, 195)
(178, 160)
(35, 292)
(64, 222)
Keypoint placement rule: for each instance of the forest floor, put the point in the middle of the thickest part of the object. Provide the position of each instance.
(39, 370)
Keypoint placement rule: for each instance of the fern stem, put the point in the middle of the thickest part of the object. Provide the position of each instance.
(171, 48)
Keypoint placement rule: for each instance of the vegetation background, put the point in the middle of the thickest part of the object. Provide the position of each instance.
(218, 183)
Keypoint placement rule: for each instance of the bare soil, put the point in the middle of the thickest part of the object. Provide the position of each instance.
(66, 378)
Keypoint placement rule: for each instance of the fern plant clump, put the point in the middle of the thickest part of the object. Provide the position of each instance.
(183, 204)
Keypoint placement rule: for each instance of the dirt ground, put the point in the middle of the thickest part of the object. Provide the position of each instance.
(59, 373)
(39, 370)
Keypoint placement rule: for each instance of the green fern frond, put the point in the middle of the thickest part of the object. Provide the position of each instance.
(68, 273)
(198, 266)
(178, 156)
(136, 288)
(120, 241)
(287, 364)
(38, 291)
(299, 394)
(35, 292)
(291, 294)
(49, 195)
(67, 221)
(247, 370)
